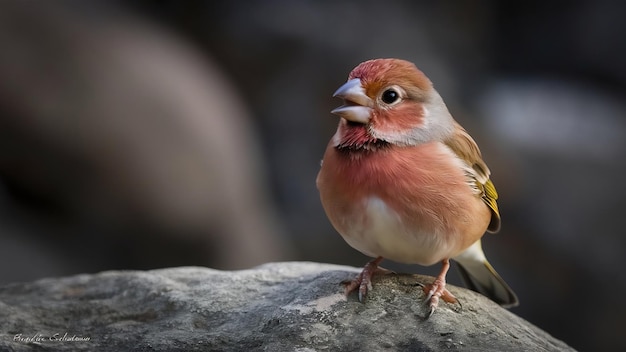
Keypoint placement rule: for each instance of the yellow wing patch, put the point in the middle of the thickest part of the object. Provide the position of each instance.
(489, 195)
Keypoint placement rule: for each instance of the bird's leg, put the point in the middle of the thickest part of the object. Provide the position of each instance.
(438, 289)
(363, 282)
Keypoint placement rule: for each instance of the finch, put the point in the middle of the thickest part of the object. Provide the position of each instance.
(402, 180)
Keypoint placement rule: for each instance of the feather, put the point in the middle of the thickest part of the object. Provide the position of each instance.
(467, 150)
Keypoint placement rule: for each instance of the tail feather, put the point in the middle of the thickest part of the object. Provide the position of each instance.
(483, 279)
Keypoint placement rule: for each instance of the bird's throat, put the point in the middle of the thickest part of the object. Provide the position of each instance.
(357, 137)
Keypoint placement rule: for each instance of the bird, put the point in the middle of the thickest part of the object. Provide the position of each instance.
(402, 180)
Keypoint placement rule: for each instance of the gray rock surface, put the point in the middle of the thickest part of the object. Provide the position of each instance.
(296, 306)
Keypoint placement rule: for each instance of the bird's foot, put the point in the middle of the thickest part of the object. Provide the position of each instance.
(363, 282)
(434, 292)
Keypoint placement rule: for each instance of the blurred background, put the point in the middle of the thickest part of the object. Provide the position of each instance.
(148, 134)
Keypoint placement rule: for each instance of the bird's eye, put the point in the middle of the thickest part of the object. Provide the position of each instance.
(390, 96)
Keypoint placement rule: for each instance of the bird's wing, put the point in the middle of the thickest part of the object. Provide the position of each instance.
(465, 148)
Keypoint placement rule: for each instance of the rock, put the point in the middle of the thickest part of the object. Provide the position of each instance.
(292, 306)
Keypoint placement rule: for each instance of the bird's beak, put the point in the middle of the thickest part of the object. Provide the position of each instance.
(357, 105)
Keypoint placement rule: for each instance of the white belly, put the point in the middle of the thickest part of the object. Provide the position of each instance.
(380, 231)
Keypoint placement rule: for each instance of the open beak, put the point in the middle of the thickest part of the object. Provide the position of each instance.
(357, 106)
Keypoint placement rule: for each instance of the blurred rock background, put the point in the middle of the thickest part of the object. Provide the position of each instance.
(146, 134)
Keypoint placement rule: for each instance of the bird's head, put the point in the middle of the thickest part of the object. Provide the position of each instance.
(389, 101)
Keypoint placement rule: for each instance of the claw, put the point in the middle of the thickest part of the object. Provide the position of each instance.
(432, 310)
(363, 282)
(438, 290)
